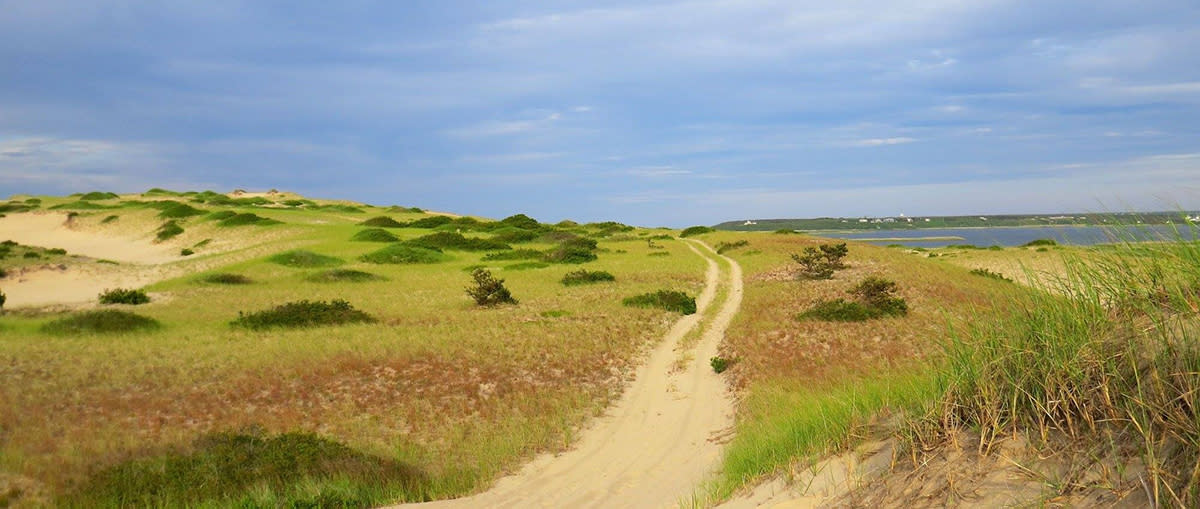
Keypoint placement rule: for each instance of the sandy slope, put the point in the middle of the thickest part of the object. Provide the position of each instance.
(52, 230)
(657, 443)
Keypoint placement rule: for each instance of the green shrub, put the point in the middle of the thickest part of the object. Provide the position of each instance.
(456, 241)
(246, 219)
(404, 254)
(226, 469)
(569, 254)
(56, 251)
(344, 276)
(80, 205)
(719, 364)
(514, 254)
(839, 310)
(168, 230)
(521, 221)
(514, 235)
(221, 215)
(374, 235)
(430, 222)
(820, 262)
(98, 195)
(784, 231)
(555, 313)
(723, 247)
(695, 230)
(104, 321)
(109, 219)
(124, 296)
(32, 254)
(383, 222)
(487, 290)
(304, 259)
(186, 252)
(1040, 242)
(178, 210)
(987, 273)
(158, 191)
(583, 277)
(224, 278)
(3, 298)
(303, 313)
(875, 298)
(669, 300)
(527, 266)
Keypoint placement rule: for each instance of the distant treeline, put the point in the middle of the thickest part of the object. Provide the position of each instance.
(902, 222)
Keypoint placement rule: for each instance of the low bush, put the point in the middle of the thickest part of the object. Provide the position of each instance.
(99, 195)
(81, 205)
(404, 254)
(221, 215)
(989, 274)
(225, 469)
(104, 321)
(820, 262)
(430, 222)
(344, 276)
(514, 254)
(246, 219)
(374, 235)
(521, 221)
(186, 252)
(569, 254)
(225, 278)
(583, 277)
(32, 254)
(719, 364)
(383, 222)
(527, 266)
(168, 230)
(839, 310)
(304, 259)
(669, 300)
(456, 241)
(875, 298)
(723, 247)
(514, 235)
(124, 296)
(56, 251)
(487, 290)
(178, 210)
(659, 253)
(303, 313)
(3, 298)
(695, 230)
(785, 231)
(1040, 242)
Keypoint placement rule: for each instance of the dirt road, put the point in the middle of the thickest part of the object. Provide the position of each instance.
(661, 439)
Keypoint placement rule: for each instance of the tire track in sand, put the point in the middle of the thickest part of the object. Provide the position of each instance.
(658, 442)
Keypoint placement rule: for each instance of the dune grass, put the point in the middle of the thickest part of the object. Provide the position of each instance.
(344, 276)
(107, 321)
(303, 313)
(304, 259)
(404, 254)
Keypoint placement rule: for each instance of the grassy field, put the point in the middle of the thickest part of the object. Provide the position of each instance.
(446, 392)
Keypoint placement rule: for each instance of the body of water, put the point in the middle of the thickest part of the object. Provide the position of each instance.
(1016, 236)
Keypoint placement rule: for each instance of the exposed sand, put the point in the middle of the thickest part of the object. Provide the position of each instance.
(53, 231)
(657, 444)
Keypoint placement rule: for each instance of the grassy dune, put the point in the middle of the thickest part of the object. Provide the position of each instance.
(454, 393)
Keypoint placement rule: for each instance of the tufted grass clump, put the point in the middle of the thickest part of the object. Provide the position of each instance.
(225, 278)
(168, 230)
(221, 215)
(374, 235)
(104, 321)
(514, 254)
(383, 222)
(584, 277)
(430, 222)
(129, 296)
(176, 210)
(303, 313)
(99, 195)
(456, 241)
(990, 274)
(723, 247)
(304, 259)
(231, 469)
(669, 300)
(404, 254)
(344, 276)
(246, 219)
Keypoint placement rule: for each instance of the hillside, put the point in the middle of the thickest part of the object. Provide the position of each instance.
(900, 221)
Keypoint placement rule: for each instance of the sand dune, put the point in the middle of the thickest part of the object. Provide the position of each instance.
(53, 230)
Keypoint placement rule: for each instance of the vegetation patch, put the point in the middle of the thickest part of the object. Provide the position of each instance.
(109, 219)
(186, 252)
(820, 262)
(521, 221)
(1040, 242)
(456, 241)
(304, 259)
(303, 313)
(430, 222)
(82, 205)
(383, 222)
(124, 296)
(514, 254)
(225, 469)
(99, 195)
(514, 235)
(874, 298)
(374, 235)
(584, 277)
(225, 278)
(246, 219)
(723, 247)
(221, 215)
(659, 253)
(168, 230)
(695, 230)
(178, 210)
(104, 321)
(344, 276)
(527, 266)
(989, 274)
(487, 290)
(719, 364)
(669, 300)
(404, 254)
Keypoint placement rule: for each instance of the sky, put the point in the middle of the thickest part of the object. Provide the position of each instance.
(655, 113)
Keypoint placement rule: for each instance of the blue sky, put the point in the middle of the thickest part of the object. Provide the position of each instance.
(647, 112)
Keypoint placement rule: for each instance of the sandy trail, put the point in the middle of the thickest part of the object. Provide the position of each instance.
(660, 440)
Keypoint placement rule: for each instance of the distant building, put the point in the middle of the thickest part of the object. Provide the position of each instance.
(748, 223)
(863, 220)
(981, 218)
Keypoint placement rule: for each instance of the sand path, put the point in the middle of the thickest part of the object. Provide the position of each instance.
(659, 441)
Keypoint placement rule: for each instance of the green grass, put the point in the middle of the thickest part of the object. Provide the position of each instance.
(304, 259)
(383, 222)
(527, 266)
(225, 278)
(303, 313)
(695, 230)
(168, 230)
(669, 300)
(456, 241)
(178, 210)
(245, 219)
(344, 275)
(584, 277)
(107, 321)
(514, 254)
(404, 254)
(374, 235)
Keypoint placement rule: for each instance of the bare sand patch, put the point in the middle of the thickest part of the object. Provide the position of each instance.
(54, 230)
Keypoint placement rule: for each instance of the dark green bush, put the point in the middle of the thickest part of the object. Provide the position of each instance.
(989, 274)
(404, 254)
(104, 321)
(168, 230)
(225, 278)
(81, 205)
(659, 253)
(569, 254)
(820, 262)
(158, 191)
(527, 266)
(109, 219)
(521, 221)
(224, 469)
(719, 364)
(514, 254)
(430, 222)
(723, 247)
(303, 313)
(98, 195)
(513, 235)
(56, 251)
(186, 252)
(221, 215)
(784, 231)
(669, 300)
(839, 310)
(383, 222)
(178, 210)
(32, 254)
(304, 259)
(1040, 242)
(124, 296)
(246, 219)
(487, 290)
(456, 241)
(695, 230)
(344, 276)
(374, 235)
(875, 298)
(583, 277)
(3, 298)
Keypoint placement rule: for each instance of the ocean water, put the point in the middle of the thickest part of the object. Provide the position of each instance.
(1016, 236)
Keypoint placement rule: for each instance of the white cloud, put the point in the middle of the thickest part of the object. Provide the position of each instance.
(879, 142)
